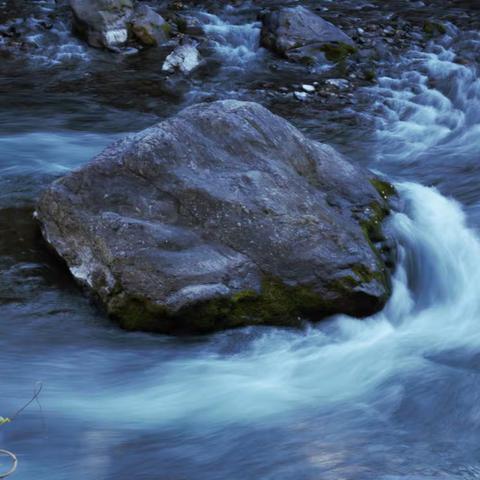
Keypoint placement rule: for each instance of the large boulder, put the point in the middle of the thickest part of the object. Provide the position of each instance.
(300, 35)
(103, 23)
(222, 216)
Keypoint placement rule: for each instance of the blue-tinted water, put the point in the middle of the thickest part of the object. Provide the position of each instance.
(393, 396)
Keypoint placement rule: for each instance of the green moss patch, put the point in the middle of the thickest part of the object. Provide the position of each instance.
(276, 304)
(136, 313)
(384, 188)
(370, 75)
(433, 28)
(181, 24)
(167, 29)
(336, 52)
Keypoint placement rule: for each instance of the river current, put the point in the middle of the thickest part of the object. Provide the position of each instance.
(394, 396)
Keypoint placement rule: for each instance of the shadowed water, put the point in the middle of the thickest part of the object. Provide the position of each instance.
(395, 396)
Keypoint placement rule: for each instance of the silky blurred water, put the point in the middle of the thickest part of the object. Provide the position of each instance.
(395, 396)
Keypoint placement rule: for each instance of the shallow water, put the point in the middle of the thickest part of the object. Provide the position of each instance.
(393, 396)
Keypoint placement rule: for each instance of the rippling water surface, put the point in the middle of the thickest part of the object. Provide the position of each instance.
(396, 396)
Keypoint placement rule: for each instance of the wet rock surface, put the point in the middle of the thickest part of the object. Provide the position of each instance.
(300, 35)
(185, 59)
(148, 26)
(104, 23)
(223, 216)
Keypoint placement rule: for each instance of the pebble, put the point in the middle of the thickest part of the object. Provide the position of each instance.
(300, 96)
(308, 88)
(338, 82)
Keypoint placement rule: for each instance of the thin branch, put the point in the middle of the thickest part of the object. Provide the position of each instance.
(36, 393)
(6, 453)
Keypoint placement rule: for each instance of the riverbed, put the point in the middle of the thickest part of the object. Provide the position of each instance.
(394, 396)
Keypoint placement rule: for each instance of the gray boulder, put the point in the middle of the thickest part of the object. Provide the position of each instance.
(222, 216)
(103, 23)
(300, 35)
(149, 27)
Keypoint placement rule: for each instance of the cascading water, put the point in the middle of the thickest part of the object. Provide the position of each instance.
(433, 308)
(50, 43)
(235, 44)
(429, 116)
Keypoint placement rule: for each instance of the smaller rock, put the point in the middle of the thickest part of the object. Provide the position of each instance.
(366, 53)
(462, 61)
(370, 75)
(148, 26)
(102, 22)
(185, 58)
(381, 49)
(129, 51)
(339, 83)
(177, 5)
(300, 96)
(308, 88)
(189, 25)
(300, 35)
(46, 25)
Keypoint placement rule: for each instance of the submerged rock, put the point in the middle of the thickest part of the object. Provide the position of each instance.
(222, 216)
(185, 58)
(103, 23)
(300, 35)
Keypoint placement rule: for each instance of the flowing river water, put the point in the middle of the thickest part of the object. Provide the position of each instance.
(395, 396)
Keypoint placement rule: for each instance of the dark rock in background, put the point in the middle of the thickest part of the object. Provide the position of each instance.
(148, 26)
(104, 23)
(300, 35)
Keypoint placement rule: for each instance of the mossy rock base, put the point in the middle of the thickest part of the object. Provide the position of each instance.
(277, 305)
(338, 51)
(433, 28)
